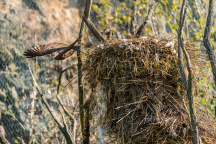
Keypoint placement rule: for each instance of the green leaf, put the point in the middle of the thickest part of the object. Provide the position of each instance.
(12, 115)
(203, 101)
(118, 9)
(135, 3)
(95, 8)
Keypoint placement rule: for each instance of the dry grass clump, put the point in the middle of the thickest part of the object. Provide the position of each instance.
(144, 88)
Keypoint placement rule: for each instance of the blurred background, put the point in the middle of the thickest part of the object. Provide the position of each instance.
(23, 117)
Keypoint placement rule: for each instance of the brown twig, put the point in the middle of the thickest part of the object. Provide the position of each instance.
(65, 110)
(147, 20)
(59, 100)
(60, 75)
(183, 100)
(62, 127)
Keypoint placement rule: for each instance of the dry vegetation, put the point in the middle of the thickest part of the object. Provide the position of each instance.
(144, 88)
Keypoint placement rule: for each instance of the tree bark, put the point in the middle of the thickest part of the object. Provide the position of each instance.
(206, 41)
(188, 83)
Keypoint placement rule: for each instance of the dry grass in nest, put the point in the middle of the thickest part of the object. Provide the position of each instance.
(144, 85)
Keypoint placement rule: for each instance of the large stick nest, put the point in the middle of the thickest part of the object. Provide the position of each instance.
(144, 88)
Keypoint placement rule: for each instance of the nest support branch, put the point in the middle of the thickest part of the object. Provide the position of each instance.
(188, 83)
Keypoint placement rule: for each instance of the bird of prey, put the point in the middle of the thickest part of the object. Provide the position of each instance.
(59, 51)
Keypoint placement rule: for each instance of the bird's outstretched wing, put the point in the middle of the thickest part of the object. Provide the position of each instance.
(40, 50)
(59, 51)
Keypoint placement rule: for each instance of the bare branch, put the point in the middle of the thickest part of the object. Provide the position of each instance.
(94, 30)
(182, 16)
(87, 118)
(89, 23)
(180, 57)
(191, 99)
(88, 9)
(80, 84)
(87, 123)
(61, 126)
(206, 41)
(188, 83)
(60, 75)
(65, 110)
(183, 100)
(59, 100)
(147, 20)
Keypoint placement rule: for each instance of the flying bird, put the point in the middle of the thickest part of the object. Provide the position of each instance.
(59, 51)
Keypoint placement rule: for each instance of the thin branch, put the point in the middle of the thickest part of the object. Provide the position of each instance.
(57, 96)
(87, 122)
(147, 20)
(183, 100)
(133, 19)
(56, 119)
(89, 23)
(64, 109)
(182, 16)
(188, 83)
(61, 126)
(60, 75)
(191, 99)
(80, 84)
(180, 57)
(206, 41)
(75, 76)
(88, 9)
(94, 30)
